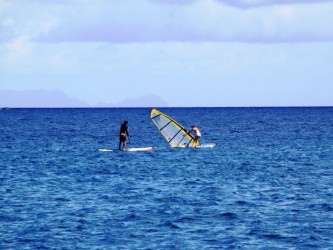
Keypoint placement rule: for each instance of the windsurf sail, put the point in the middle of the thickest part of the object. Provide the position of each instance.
(175, 134)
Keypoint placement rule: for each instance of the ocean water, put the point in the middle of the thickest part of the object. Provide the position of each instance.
(268, 183)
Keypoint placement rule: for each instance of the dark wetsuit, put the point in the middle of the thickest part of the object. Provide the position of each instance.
(123, 132)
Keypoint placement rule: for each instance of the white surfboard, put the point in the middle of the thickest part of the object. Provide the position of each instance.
(147, 149)
(105, 150)
(207, 145)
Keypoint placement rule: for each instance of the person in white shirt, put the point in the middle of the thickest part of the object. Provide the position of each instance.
(197, 133)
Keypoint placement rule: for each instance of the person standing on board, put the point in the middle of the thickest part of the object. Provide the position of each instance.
(197, 134)
(122, 135)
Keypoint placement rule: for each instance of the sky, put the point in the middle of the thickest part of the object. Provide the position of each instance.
(189, 53)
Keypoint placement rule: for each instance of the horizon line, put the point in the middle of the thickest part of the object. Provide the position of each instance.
(89, 107)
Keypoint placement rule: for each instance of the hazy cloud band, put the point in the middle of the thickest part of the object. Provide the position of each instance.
(164, 21)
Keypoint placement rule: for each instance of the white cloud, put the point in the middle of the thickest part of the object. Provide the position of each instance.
(151, 21)
(4, 5)
(243, 4)
(27, 18)
(20, 47)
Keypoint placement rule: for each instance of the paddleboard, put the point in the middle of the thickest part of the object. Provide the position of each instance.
(147, 149)
(140, 149)
(106, 150)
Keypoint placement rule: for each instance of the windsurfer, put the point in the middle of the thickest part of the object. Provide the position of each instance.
(122, 135)
(197, 133)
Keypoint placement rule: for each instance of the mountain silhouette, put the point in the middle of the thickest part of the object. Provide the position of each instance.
(58, 99)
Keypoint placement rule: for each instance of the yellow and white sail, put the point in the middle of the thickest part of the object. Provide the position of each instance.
(175, 134)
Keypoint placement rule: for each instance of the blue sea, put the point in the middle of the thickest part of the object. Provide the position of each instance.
(268, 183)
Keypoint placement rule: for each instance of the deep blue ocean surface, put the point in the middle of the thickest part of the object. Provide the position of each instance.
(268, 183)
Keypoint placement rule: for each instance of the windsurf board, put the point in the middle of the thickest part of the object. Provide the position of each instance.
(207, 145)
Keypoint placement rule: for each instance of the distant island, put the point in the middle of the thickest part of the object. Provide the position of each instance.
(144, 101)
(38, 99)
(58, 99)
